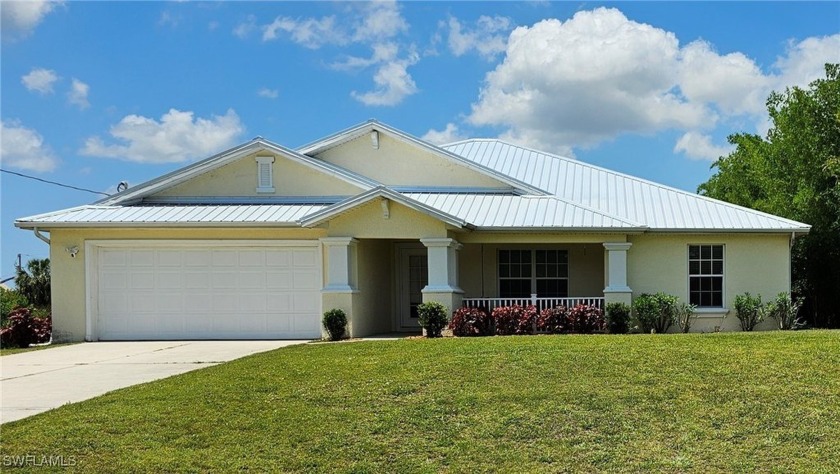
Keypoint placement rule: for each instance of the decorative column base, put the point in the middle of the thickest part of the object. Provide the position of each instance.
(618, 296)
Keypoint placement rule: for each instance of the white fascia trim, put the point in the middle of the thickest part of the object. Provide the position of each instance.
(139, 224)
(730, 230)
(324, 215)
(549, 230)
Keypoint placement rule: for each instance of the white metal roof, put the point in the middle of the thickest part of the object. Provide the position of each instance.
(174, 215)
(565, 194)
(489, 211)
(625, 197)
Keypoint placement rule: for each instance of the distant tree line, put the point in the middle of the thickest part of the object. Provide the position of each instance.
(794, 172)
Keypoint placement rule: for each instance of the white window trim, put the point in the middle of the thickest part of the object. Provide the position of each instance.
(261, 161)
(706, 310)
(534, 278)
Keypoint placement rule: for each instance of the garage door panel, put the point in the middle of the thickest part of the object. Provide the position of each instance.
(209, 293)
(142, 258)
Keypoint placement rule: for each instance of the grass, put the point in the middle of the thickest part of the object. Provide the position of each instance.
(4, 351)
(735, 402)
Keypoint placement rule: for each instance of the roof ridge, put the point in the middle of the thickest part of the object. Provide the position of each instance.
(636, 179)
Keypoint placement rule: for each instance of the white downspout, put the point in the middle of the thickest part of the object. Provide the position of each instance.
(40, 235)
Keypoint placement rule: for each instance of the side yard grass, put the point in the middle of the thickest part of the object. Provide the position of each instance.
(4, 351)
(766, 402)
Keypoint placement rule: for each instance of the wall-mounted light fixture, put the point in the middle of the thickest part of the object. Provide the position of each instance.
(73, 251)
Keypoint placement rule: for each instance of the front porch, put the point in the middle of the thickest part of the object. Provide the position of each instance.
(380, 282)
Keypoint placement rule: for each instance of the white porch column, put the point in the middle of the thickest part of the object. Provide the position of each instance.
(617, 289)
(341, 263)
(443, 272)
(340, 288)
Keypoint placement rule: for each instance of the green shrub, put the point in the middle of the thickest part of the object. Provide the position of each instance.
(10, 300)
(655, 312)
(749, 311)
(618, 318)
(432, 317)
(335, 322)
(684, 315)
(785, 310)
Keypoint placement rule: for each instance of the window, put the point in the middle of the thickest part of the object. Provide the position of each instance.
(705, 275)
(265, 179)
(523, 272)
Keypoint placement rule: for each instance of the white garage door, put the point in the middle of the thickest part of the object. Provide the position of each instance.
(208, 292)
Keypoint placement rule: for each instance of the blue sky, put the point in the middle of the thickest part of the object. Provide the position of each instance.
(94, 93)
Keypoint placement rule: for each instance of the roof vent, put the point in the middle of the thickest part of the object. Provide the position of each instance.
(374, 139)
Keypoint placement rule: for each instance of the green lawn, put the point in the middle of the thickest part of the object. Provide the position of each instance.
(670, 403)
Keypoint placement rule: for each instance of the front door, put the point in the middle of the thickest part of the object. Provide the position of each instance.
(413, 276)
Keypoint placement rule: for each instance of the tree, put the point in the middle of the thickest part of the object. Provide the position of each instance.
(34, 284)
(795, 173)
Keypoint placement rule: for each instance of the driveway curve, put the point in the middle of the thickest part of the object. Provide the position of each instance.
(37, 381)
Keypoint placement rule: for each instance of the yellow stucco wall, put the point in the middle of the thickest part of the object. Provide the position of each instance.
(397, 163)
(240, 179)
(373, 305)
(68, 274)
(367, 221)
(586, 267)
(752, 262)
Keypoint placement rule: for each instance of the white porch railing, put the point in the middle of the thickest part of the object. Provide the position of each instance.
(540, 302)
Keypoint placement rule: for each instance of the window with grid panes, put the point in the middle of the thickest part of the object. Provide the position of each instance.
(523, 272)
(705, 275)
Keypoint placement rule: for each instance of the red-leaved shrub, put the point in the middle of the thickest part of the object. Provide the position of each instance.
(554, 320)
(515, 319)
(23, 329)
(586, 319)
(468, 322)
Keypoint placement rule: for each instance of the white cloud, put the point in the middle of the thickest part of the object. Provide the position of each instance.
(167, 18)
(382, 52)
(488, 38)
(268, 93)
(244, 28)
(375, 24)
(19, 18)
(448, 135)
(393, 83)
(698, 146)
(78, 94)
(733, 82)
(804, 61)
(177, 137)
(379, 20)
(24, 148)
(310, 32)
(40, 80)
(588, 79)
(598, 75)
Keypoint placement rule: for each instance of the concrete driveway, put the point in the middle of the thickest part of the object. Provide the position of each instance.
(34, 382)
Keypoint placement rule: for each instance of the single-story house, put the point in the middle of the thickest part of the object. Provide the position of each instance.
(258, 241)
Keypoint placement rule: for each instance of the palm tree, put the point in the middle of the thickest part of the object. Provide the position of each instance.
(35, 283)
